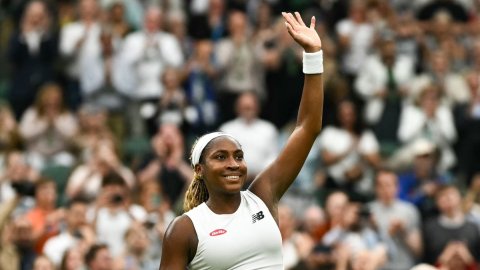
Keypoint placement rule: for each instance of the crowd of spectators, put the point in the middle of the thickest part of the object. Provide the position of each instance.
(101, 101)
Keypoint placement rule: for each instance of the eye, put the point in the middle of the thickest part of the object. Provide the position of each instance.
(220, 157)
(239, 157)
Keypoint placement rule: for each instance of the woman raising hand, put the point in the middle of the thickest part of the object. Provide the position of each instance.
(225, 227)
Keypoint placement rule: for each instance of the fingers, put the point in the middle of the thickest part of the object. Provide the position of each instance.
(299, 19)
(312, 22)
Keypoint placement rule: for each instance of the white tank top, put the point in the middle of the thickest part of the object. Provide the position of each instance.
(245, 240)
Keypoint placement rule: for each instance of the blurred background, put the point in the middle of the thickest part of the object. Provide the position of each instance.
(101, 101)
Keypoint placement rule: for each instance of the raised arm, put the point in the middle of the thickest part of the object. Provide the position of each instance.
(272, 183)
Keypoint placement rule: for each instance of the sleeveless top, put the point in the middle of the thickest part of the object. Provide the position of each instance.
(245, 240)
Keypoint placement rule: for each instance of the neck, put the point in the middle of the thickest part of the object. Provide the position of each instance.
(224, 203)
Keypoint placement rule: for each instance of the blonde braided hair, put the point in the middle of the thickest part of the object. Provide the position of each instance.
(196, 193)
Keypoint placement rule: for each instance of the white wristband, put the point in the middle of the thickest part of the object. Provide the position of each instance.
(313, 62)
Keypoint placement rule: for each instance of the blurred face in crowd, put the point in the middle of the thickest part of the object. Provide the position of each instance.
(449, 201)
(46, 194)
(153, 20)
(346, 114)
(88, 10)
(76, 215)
(335, 205)
(386, 187)
(203, 50)
(36, 16)
(439, 62)
(102, 260)
(117, 12)
(73, 259)
(247, 107)
(137, 239)
(43, 263)
(237, 24)
(216, 8)
(286, 221)
(388, 52)
(17, 167)
(170, 79)
(50, 100)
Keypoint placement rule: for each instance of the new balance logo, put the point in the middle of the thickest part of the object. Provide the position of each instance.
(257, 216)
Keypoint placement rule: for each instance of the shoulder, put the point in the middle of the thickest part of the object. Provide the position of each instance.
(180, 242)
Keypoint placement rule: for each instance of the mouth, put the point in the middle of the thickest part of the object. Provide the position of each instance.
(233, 177)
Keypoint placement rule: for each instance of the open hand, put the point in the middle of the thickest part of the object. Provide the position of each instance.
(307, 37)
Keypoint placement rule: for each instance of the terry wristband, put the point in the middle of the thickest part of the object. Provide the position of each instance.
(313, 62)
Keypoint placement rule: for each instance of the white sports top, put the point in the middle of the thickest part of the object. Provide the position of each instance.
(245, 240)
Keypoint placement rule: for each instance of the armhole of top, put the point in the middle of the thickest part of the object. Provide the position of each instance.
(195, 236)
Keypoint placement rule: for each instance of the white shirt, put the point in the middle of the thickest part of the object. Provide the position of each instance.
(143, 60)
(112, 226)
(339, 141)
(245, 240)
(373, 78)
(91, 47)
(361, 39)
(259, 140)
(56, 246)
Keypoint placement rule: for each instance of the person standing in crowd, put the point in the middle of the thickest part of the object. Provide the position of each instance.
(144, 58)
(32, 53)
(450, 239)
(260, 150)
(397, 221)
(238, 65)
(48, 128)
(220, 173)
(80, 41)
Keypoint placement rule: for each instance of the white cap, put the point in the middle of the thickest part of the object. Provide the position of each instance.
(202, 142)
(422, 147)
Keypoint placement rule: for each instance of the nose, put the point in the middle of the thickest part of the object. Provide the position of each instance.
(233, 164)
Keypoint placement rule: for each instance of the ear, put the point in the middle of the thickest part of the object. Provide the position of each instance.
(198, 169)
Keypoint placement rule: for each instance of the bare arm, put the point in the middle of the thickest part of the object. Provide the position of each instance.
(272, 183)
(179, 244)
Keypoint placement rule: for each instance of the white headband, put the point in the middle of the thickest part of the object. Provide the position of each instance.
(202, 142)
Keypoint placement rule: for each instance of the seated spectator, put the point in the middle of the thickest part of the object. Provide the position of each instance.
(76, 234)
(48, 129)
(113, 213)
(44, 216)
(16, 171)
(350, 153)
(98, 258)
(200, 89)
(398, 223)
(296, 245)
(261, 149)
(382, 84)
(72, 259)
(93, 130)
(419, 184)
(357, 238)
(322, 255)
(450, 240)
(43, 263)
(428, 118)
(452, 87)
(86, 179)
(136, 254)
(32, 54)
(167, 165)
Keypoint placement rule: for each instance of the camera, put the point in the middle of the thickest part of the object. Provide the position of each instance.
(24, 188)
(117, 199)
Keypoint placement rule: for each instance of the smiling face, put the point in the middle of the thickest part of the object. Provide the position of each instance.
(222, 166)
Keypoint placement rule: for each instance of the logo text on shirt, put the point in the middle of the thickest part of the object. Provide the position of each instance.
(257, 216)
